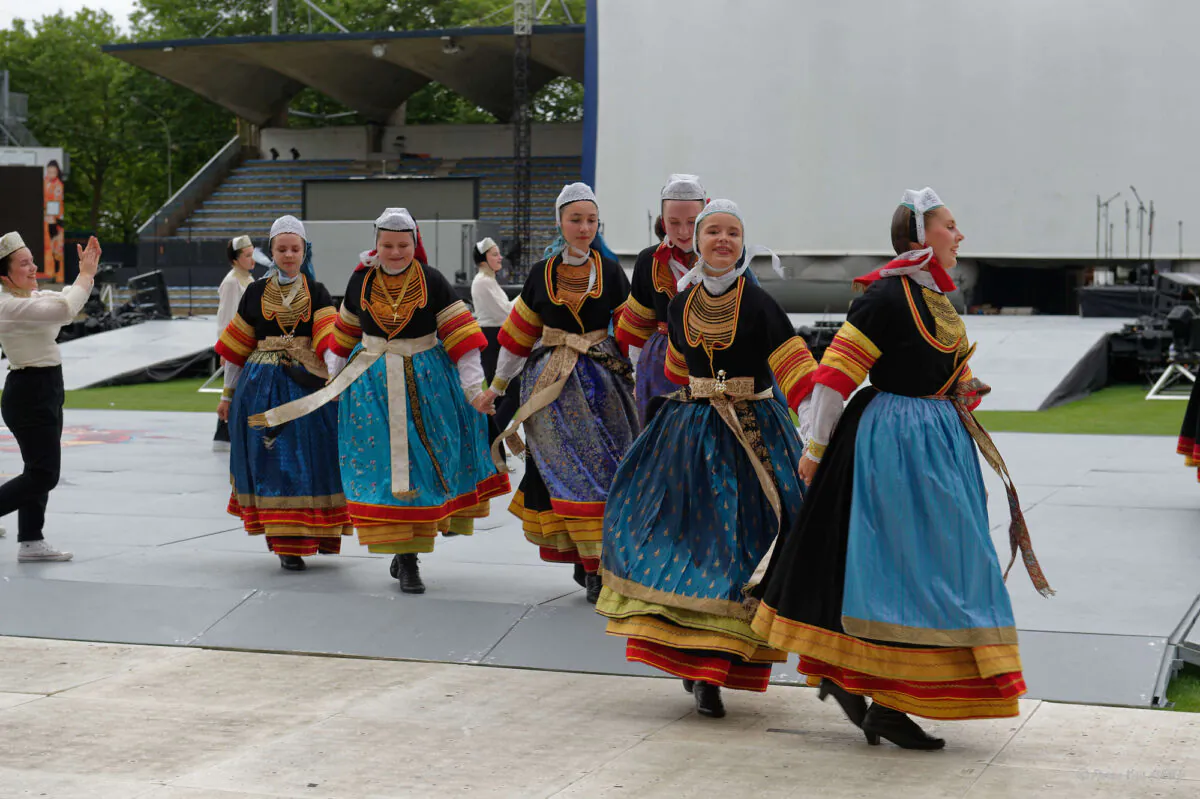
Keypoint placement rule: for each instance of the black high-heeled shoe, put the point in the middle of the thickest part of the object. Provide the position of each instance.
(593, 585)
(580, 575)
(292, 563)
(853, 705)
(708, 700)
(688, 685)
(898, 728)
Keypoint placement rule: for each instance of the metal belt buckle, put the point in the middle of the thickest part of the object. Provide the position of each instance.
(720, 386)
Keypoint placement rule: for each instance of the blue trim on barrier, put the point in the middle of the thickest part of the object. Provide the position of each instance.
(505, 31)
(591, 81)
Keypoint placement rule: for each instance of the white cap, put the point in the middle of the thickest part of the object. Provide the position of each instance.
(483, 246)
(696, 274)
(241, 243)
(10, 243)
(398, 220)
(920, 203)
(288, 224)
(684, 187)
(573, 193)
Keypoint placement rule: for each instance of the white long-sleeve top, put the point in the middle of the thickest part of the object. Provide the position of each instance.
(30, 321)
(492, 305)
(229, 296)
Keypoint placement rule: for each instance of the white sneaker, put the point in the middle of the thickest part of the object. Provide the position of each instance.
(220, 446)
(40, 552)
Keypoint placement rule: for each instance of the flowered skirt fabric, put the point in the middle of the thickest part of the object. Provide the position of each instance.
(575, 446)
(451, 475)
(285, 479)
(889, 584)
(687, 522)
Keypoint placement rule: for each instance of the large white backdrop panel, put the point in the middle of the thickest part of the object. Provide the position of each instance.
(814, 116)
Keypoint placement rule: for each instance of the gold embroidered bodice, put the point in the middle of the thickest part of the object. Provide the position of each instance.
(709, 322)
(287, 316)
(949, 330)
(392, 299)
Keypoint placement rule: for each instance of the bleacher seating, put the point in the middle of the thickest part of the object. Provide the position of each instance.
(259, 191)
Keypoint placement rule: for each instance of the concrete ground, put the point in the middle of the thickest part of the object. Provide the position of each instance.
(116, 721)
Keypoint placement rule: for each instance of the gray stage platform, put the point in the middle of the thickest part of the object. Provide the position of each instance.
(1023, 358)
(104, 357)
(158, 561)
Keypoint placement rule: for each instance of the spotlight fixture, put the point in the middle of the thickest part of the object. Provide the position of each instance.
(379, 50)
(450, 45)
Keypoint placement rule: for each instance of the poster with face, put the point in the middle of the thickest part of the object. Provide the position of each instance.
(52, 201)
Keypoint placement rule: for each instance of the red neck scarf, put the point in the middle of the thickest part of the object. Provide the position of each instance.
(906, 266)
(666, 252)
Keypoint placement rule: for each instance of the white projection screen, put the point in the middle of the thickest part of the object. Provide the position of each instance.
(814, 116)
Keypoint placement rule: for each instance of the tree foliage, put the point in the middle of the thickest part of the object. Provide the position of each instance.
(112, 119)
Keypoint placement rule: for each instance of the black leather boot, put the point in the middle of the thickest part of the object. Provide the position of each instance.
(405, 569)
(688, 685)
(293, 563)
(708, 700)
(897, 727)
(580, 575)
(594, 584)
(853, 705)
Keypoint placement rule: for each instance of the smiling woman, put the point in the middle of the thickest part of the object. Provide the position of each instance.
(33, 392)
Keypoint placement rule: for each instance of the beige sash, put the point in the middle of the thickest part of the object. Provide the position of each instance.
(567, 347)
(374, 347)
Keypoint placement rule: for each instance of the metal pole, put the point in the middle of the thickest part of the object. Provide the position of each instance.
(1127, 230)
(1097, 227)
(170, 185)
(1110, 237)
(523, 12)
(1141, 211)
(1181, 238)
(274, 17)
(1150, 234)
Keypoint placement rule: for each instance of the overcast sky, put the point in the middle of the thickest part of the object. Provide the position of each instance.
(30, 10)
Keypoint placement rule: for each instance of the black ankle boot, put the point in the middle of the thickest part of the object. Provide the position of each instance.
(293, 563)
(708, 700)
(853, 705)
(594, 584)
(580, 575)
(688, 685)
(405, 569)
(883, 722)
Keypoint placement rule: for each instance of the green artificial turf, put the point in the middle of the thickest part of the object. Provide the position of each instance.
(1116, 410)
(173, 395)
(1184, 690)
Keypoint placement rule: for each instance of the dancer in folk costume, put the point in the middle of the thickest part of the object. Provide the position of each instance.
(286, 483)
(706, 487)
(240, 253)
(412, 429)
(576, 390)
(643, 324)
(889, 586)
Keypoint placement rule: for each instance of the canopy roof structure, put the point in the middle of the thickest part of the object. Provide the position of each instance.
(255, 77)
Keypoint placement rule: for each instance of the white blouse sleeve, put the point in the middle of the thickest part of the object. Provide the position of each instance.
(826, 410)
(470, 373)
(50, 307)
(228, 295)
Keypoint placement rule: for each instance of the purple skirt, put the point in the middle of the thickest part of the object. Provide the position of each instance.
(651, 380)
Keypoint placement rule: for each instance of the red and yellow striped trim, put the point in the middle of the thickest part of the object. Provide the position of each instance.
(847, 360)
(695, 666)
(237, 341)
(367, 515)
(520, 330)
(966, 698)
(459, 331)
(331, 521)
(303, 546)
(675, 367)
(347, 332)
(793, 366)
(324, 321)
(572, 538)
(635, 324)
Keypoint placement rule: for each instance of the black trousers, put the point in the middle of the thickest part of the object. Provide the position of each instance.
(32, 407)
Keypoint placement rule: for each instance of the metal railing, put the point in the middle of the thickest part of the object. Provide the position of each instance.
(191, 194)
